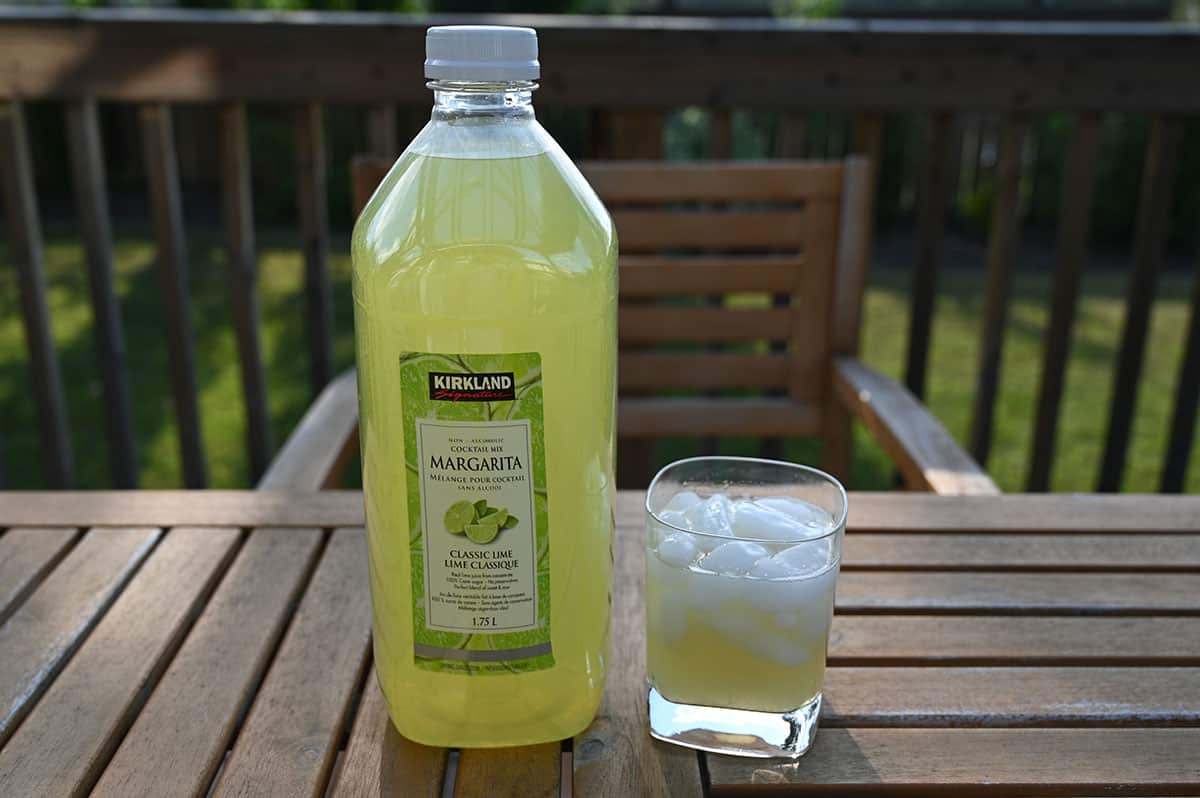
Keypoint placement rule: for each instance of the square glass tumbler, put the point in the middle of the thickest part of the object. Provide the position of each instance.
(742, 558)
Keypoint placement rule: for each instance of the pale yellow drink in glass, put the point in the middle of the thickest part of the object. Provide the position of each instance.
(744, 640)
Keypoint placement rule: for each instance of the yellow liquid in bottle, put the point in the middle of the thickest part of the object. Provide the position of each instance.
(473, 255)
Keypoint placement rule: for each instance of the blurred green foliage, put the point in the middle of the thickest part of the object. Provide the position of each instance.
(1187, 10)
(1118, 181)
(810, 9)
(1118, 172)
(402, 6)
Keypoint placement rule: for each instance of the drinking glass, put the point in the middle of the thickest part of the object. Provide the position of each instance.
(742, 558)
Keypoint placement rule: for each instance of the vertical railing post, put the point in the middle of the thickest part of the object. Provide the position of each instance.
(381, 130)
(166, 204)
(91, 200)
(1075, 204)
(931, 230)
(856, 217)
(25, 246)
(790, 135)
(1153, 216)
(1003, 237)
(720, 134)
(1187, 401)
(867, 141)
(238, 208)
(311, 171)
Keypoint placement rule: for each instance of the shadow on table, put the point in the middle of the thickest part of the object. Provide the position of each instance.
(835, 758)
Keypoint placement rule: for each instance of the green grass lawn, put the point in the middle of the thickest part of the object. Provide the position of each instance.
(953, 366)
(954, 363)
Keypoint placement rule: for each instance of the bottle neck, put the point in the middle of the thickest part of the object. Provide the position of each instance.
(482, 102)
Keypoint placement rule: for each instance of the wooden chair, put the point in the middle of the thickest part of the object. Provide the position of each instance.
(752, 274)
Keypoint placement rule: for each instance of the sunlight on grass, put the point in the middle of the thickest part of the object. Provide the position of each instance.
(954, 362)
(953, 366)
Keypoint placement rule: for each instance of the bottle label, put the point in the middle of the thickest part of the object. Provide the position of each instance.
(477, 507)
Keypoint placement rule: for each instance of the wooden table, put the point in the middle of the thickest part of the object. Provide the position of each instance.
(159, 643)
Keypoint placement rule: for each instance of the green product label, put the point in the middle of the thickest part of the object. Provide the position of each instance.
(477, 510)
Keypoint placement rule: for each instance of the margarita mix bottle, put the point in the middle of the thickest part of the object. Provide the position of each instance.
(485, 320)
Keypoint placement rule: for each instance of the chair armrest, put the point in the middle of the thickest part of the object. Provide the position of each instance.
(927, 456)
(315, 454)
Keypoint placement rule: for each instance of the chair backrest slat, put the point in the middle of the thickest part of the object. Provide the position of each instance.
(659, 371)
(653, 182)
(654, 276)
(664, 229)
(770, 418)
(657, 323)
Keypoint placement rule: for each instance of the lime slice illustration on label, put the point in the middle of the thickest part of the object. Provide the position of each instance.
(482, 533)
(478, 520)
(497, 517)
(458, 516)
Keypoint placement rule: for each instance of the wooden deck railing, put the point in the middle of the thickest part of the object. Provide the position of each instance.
(628, 73)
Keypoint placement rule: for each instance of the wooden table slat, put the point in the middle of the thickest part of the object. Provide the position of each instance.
(66, 741)
(380, 762)
(40, 636)
(26, 556)
(945, 551)
(616, 756)
(875, 512)
(527, 771)
(1011, 640)
(290, 738)
(187, 723)
(1011, 761)
(975, 592)
(1084, 696)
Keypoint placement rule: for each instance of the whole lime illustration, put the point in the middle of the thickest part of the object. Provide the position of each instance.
(458, 516)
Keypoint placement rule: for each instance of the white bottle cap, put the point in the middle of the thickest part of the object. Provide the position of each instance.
(482, 53)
